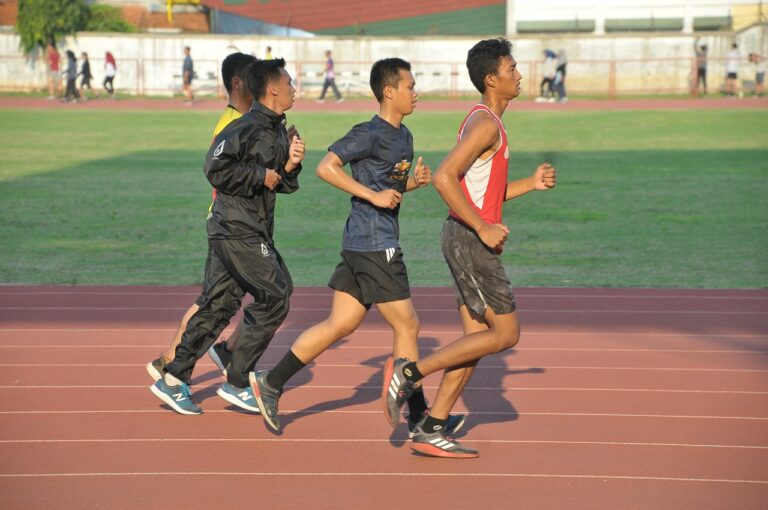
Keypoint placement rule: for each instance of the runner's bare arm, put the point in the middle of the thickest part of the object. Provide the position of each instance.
(331, 170)
(480, 136)
(543, 178)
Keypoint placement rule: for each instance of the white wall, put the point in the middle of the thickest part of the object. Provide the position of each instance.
(151, 63)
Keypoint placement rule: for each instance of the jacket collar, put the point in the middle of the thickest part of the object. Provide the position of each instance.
(262, 111)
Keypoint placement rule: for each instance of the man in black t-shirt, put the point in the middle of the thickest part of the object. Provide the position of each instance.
(372, 270)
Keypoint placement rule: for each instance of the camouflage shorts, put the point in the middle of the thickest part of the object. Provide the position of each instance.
(479, 277)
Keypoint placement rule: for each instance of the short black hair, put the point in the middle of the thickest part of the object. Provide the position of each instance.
(386, 72)
(235, 64)
(483, 59)
(261, 72)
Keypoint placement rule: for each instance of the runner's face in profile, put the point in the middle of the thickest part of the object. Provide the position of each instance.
(285, 91)
(405, 96)
(508, 77)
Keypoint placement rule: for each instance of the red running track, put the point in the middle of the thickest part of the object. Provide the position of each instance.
(615, 398)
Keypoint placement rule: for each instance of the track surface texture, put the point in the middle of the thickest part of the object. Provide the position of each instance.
(613, 399)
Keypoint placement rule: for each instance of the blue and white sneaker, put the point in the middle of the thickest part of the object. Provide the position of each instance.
(178, 397)
(241, 397)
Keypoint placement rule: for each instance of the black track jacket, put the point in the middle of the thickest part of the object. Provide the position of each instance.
(236, 165)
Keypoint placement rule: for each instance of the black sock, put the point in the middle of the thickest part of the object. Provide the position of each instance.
(412, 373)
(433, 425)
(284, 370)
(416, 404)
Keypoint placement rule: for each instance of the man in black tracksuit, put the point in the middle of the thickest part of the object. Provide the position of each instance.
(249, 162)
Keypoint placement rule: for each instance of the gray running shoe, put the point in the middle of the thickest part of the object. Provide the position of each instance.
(454, 423)
(241, 397)
(434, 444)
(396, 389)
(266, 397)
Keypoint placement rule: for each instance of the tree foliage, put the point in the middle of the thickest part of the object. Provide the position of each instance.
(107, 18)
(40, 21)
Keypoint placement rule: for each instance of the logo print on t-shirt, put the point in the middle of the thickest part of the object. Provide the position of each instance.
(264, 250)
(401, 170)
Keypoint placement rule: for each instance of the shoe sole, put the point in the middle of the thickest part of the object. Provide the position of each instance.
(389, 368)
(153, 373)
(262, 408)
(168, 400)
(434, 451)
(236, 401)
(216, 360)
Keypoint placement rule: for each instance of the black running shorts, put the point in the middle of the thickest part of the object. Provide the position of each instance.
(479, 277)
(372, 276)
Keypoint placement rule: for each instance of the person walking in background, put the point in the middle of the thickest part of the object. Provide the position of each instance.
(330, 79)
(548, 78)
(732, 70)
(759, 62)
(71, 73)
(701, 69)
(110, 70)
(54, 78)
(85, 72)
(562, 62)
(187, 74)
(268, 53)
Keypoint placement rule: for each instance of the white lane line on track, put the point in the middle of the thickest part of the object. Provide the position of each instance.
(420, 310)
(386, 347)
(375, 440)
(422, 332)
(447, 294)
(378, 388)
(254, 474)
(480, 367)
(490, 413)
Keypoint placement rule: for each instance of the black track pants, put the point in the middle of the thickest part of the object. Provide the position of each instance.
(236, 267)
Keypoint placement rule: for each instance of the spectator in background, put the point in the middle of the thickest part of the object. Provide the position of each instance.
(701, 68)
(562, 62)
(330, 79)
(110, 70)
(54, 78)
(85, 72)
(71, 73)
(759, 62)
(732, 70)
(548, 79)
(188, 73)
(268, 54)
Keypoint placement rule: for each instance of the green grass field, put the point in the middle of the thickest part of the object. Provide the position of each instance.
(644, 199)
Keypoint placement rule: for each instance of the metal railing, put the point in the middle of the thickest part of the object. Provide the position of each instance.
(612, 78)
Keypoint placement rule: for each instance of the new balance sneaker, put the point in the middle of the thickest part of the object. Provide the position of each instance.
(178, 397)
(220, 356)
(241, 397)
(454, 423)
(266, 397)
(155, 368)
(396, 389)
(435, 444)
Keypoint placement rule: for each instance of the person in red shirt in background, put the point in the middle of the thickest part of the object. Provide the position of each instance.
(54, 76)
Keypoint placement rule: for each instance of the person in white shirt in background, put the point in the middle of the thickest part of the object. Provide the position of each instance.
(732, 70)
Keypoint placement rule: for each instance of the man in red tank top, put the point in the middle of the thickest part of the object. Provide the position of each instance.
(472, 180)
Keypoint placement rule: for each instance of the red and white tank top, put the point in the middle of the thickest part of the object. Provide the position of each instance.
(485, 182)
